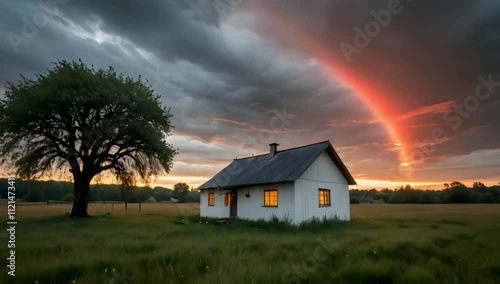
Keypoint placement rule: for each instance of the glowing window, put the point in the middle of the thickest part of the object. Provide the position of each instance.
(271, 198)
(227, 199)
(211, 199)
(324, 197)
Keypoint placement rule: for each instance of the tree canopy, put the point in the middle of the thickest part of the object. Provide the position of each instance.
(88, 121)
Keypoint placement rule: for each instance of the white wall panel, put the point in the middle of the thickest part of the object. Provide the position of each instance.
(219, 210)
(253, 208)
(323, 173)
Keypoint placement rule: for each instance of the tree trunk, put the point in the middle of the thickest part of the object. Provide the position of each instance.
(82, 192)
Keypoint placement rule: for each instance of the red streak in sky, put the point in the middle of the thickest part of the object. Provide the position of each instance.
(338, 68)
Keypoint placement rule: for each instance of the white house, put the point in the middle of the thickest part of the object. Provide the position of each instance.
(295, 184)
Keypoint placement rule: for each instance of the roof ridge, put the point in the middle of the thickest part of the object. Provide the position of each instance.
(294, 148)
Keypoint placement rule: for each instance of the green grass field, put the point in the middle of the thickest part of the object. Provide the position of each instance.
(168, 243)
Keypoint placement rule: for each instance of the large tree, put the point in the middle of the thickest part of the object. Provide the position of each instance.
(89, 121)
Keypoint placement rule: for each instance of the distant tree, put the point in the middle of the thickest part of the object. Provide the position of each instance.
(475, 197)
(162, 194)
(192, 197)
(181, 190)
(446, 185)
(68, 197)
(487, 198)
(372, 192)
(144, 194)
(354, 200)
(383, 196)
(87, 121)
(478, 185)
(34, 195)
(457, 194)
(354, 192)
(457, 184)
(365, 199)
(426, 197)
(126, 192)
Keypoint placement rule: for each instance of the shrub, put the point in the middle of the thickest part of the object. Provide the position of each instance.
(68, 197)
(34, 195)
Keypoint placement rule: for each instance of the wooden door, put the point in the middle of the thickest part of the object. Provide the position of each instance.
(234, 203)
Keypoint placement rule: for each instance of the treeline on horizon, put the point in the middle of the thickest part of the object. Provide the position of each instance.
(41, 191)
(455, 192)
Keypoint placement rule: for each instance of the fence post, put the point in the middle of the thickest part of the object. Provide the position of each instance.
(140, 206)
(47, 202)
(113, 205)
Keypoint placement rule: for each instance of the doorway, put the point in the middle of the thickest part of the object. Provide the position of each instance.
(234, 203)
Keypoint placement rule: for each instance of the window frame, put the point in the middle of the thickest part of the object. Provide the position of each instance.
(211, 199)
(270, 191)
(327, 197)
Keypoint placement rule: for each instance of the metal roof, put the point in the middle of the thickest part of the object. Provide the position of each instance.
(283, 166)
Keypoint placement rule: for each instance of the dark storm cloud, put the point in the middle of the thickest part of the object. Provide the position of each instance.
(227, 77)
(204, 68)
(429, 53)
(172, 30)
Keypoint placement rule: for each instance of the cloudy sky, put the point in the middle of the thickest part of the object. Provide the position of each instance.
(406, 91)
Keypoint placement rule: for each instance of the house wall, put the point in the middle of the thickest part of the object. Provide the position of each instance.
(216, 211)
(323, 173)
(252, 207)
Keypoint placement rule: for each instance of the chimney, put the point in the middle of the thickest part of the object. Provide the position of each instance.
(273, 148)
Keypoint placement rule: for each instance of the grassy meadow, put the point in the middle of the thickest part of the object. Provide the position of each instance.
(169, 243)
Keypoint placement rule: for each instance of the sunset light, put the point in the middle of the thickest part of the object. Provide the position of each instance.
(250, 141)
